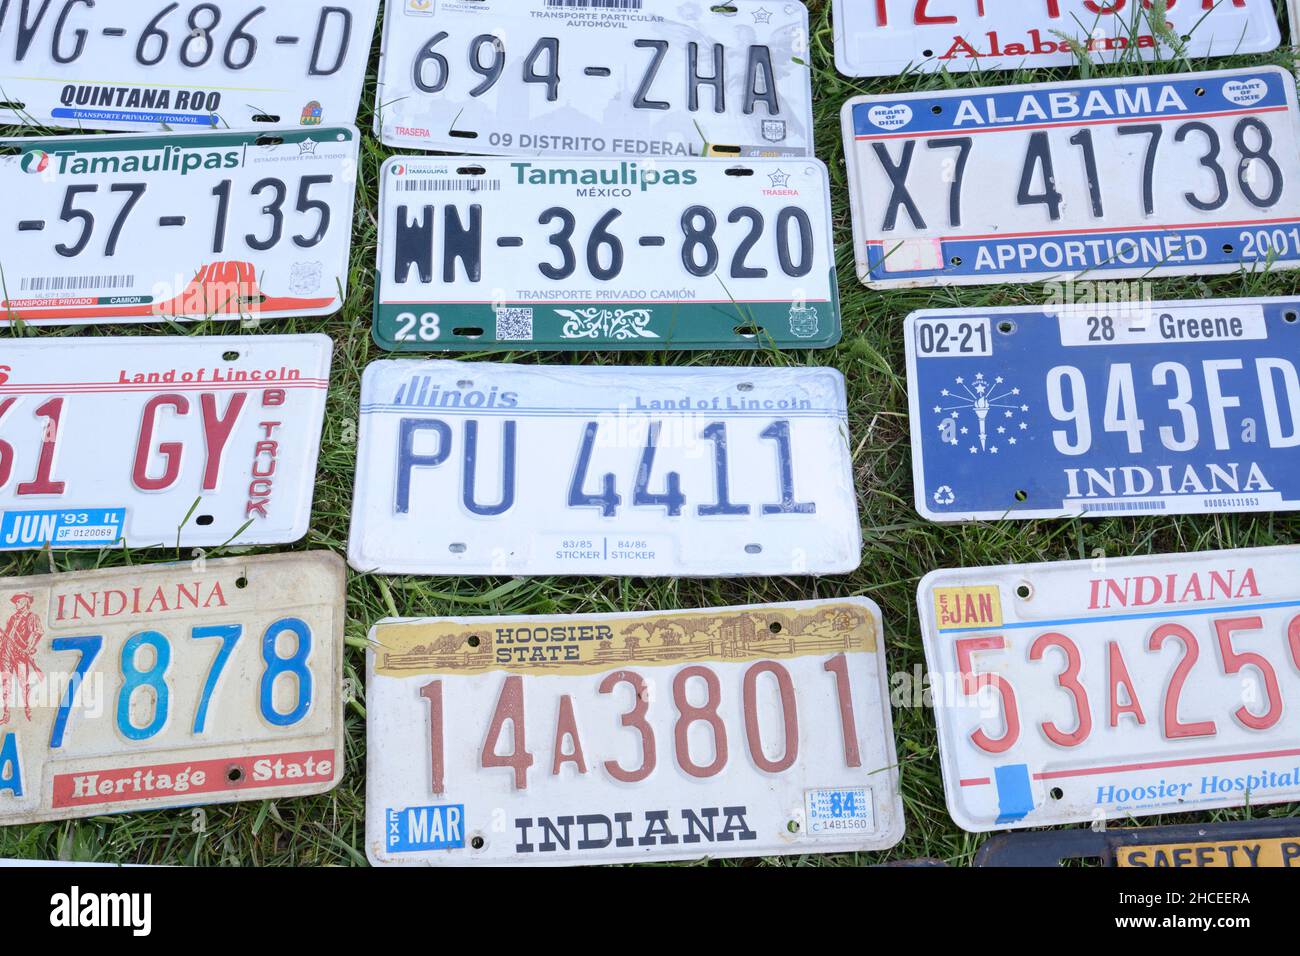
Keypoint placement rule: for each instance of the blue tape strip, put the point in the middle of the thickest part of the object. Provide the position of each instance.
(1015, 795)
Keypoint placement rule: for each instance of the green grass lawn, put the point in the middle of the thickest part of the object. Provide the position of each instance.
(899, 547)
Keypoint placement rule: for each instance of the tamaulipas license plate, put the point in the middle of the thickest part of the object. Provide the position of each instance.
(1185, 174)
(132, 228)
(888, 37)
(489, 469)
(1267, 843)
(1093, 690)
(170, 685)
(613, 78)
(149, 442)
(605, 254)
(745, 731)
(1105, 409)
(154, 65)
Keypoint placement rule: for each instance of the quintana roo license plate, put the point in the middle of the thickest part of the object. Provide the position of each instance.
(1188, 174)
(1103, 409)
(490, 469)
(1267, 843)
(674, 254)
(1093, 690)
(170, 685)
(611, 78)
(150, 442)
(120, 229)
(746, 731)
(153, 65)
(889, 37)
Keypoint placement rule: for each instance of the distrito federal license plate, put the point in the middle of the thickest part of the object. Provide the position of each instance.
(153, 65)
(1106, 408)
(745, 731)
(117, 229)
(170, 685)
(609, 78)
(150, 442)
(1187, 174)
(888, 37)
(605, 254)
(1094, 690)
(490, 469)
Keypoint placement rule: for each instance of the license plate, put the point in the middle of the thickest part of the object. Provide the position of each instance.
(149, 442)
(1190, 174)
(596, 78)
(1092, 690)
(117, 229)
(170, 686)
(1272, 843)
(1104, 409)
(888, 37)
(702, 254)
(483, 468)
(234, 64)
(747, 731)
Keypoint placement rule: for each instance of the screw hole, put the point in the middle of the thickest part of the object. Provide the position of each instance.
(269, 140)
(464, 134)
(753, 549)
(1006, 327)
(468, 331)
(793, 826)
(1022, 496)
(745, 387)
(241, 582)
(1057, 793)
(936, 109)
(1200, 91)
(265, 118)
(955, 260)
(235, 774)
(231, 356)
(204, 520)
(1024, 592)
(464, 383)
(1227, 248)
(740, 171)
(775, 627)
(473, 641)
(477, 842)
(457, 548)
(749, 330)
(1291, 317)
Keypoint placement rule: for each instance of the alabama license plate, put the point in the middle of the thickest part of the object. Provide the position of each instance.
(1187, 174)
(149, 442)
(746, 731)
(888, 37)
(170, 685)
(1106, 408)
(153, 65)
(1267, 843)
(1094, 690)
(111, 229)
(490, 469)
(606, 78)
(605, 254)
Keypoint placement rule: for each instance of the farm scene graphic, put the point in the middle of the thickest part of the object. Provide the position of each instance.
(590, 644)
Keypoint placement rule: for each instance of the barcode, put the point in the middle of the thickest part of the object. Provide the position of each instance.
(596, 4)
(448, 185)
(1102, 506)
(75, 283)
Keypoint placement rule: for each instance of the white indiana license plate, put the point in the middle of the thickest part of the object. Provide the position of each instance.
(170, 685)
(596, 78)
(747, 731)
(1094, 690)
(151, 442)
(684, 254)
(888, 37)
(489, 469)
(1186, 174)
(120, 229)
(154, 65)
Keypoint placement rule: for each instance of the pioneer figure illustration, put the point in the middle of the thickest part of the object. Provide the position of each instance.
(18, 641)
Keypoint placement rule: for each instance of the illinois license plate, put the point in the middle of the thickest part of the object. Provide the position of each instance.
(482, 468)
(596, 78)
(233, 64)
(1186, 174)
(170, 685)
(747, 731)
(888, 37)
(605, 254)
(134, 228)
(182, 442)
(1092, 690)
(1103, 409)
(1267, 843)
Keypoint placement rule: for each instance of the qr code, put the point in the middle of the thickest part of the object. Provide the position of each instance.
(514, 325)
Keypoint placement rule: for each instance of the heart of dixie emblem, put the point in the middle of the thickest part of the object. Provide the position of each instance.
(1245, 92)
(890, 117)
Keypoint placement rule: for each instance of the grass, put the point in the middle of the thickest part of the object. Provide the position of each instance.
(899, 546)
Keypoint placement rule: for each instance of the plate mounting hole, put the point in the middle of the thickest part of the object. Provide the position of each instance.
(775, 627)
(1022, 496)
(269, 140)
(473, 640)
(204, 520)
(1057, 793)
(457, 548)
(793, 826)
(241, 582)
(753, 549)
(936, 109)
(471, 171)
(468, 331)
(464, 134)
(745, 387)
(477, 842)
(1006, 326)
(265, 118)
(464, 383)
(748, 330)
(1024, 592)
(740, 171)
(1227, 248)
(235, 774)
(1291, 318)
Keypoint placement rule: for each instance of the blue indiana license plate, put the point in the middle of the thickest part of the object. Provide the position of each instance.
(1148, 408)
(1191, 174)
